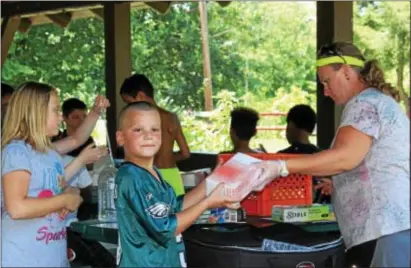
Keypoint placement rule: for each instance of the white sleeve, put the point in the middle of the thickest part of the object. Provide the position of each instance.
(83, 179)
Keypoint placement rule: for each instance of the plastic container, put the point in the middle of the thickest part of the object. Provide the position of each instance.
(106, 192)
(295, 189)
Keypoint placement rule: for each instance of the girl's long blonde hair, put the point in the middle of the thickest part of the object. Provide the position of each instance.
(26, 116)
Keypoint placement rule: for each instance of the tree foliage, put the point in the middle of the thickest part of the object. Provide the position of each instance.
(262, 55)
(383, 30)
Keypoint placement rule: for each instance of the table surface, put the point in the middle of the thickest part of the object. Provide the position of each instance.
(108, 232)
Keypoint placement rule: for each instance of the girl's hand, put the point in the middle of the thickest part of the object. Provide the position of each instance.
(72, 190)
(63, 213)
(91, 154)
(72, 201)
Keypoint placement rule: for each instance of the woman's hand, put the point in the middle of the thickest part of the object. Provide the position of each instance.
(269, 170)
(100, 104)
(218, 199)
(91, 154)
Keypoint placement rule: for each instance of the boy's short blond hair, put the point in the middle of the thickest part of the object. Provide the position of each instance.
(138, 106)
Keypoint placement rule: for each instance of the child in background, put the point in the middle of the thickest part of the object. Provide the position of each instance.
(243, 128)
(301, 120)
(74, 114)
(34, 203)
(150, 216)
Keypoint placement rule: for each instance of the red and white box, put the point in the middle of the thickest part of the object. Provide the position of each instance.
(239, 175)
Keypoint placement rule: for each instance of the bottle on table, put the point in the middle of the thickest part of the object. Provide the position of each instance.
(106, 193)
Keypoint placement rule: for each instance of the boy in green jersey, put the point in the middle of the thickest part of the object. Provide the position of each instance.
(150, 216)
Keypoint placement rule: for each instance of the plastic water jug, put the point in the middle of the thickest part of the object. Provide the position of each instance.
(106, 192)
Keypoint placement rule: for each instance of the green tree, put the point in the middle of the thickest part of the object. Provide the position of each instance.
(382, 29)
(70, 58)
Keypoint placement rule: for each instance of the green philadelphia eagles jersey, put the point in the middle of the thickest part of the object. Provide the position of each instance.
(147, 222)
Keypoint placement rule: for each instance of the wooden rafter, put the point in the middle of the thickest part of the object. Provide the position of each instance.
(61, 19)
(160, 6)
(25, 25)
(9, 27)
(43, 12)
(19, 8)
(98, 12)
(224, 3)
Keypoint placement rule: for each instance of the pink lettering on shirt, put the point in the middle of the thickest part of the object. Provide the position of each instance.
(45, 235)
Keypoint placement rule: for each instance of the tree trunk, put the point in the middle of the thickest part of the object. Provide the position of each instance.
(208, 84)
(400, 69)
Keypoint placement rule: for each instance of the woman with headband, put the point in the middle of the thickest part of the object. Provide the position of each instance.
(369, 159)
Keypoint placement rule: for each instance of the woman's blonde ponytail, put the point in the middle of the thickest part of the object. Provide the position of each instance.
(373, 76)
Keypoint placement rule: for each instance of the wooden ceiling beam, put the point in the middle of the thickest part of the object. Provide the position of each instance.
(223, 3)
(19, 8)
(25, 25)
(9, 27)
(98, 12)
(160, 6)
(61, 19)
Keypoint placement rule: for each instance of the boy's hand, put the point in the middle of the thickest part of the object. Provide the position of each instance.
(218, 199)
(100, 104)
(91, 154)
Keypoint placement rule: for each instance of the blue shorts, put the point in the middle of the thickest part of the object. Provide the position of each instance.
(393, 250)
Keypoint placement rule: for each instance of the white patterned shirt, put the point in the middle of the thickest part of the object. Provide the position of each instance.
(373, 199)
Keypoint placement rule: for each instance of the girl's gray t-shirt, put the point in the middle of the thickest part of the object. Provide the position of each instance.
(373, 199)
(39, 242)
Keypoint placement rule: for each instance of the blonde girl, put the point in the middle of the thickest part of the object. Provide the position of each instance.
(33, 200)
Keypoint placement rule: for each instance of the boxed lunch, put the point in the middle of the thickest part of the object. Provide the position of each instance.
(238, 174)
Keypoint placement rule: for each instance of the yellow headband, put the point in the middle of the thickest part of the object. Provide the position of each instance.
(340, 59)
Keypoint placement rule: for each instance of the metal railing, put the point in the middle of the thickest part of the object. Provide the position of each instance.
(270, 128)
(277, 128)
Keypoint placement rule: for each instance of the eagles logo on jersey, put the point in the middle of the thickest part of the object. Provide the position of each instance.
(158, 210)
